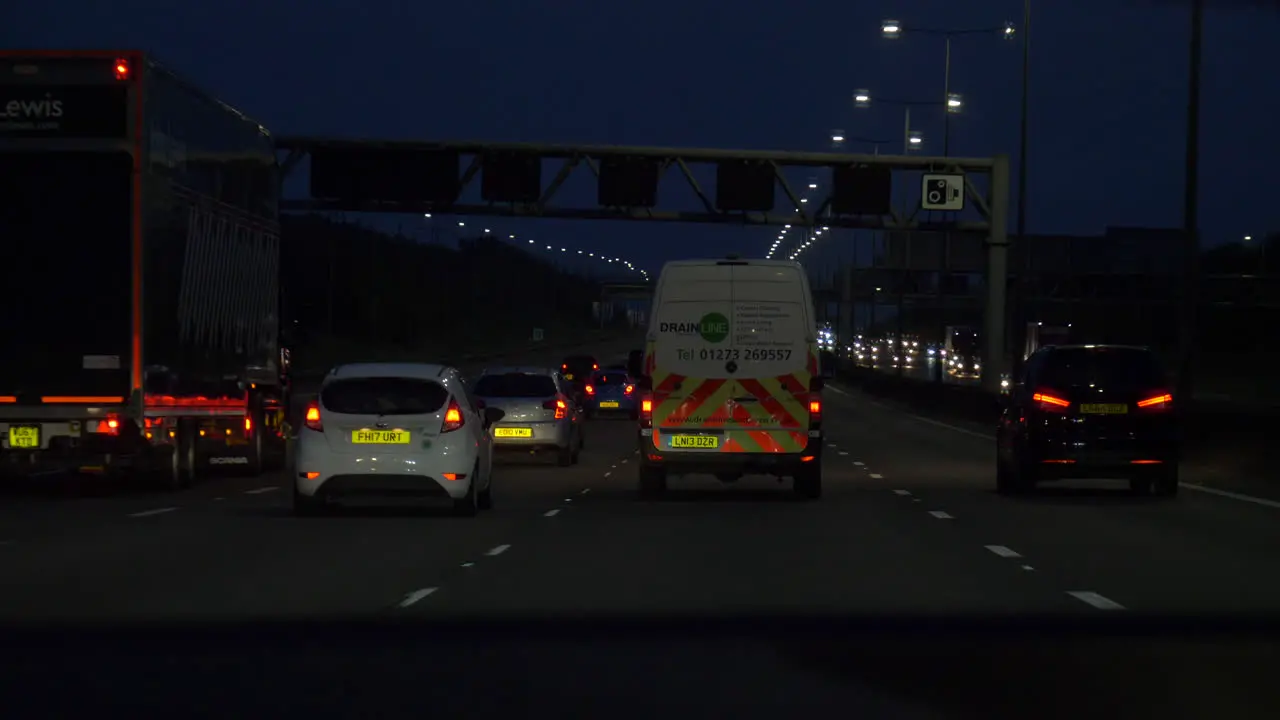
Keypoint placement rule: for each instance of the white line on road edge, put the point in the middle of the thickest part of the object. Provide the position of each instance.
(259, 491)
(941, 515)
(498, 550)
(859, 463)
(585, 491)
(149, 513)
(902, 492)
(414, 597)
(1234, 496)
(877, 476)
(551, 513)
(1096, 600)
(1003, 551)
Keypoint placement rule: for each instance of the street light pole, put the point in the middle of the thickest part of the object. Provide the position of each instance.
(946, 102)
(1022, 284)
(1191, 210)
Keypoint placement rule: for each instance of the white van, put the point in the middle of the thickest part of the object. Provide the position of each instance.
(731, 377)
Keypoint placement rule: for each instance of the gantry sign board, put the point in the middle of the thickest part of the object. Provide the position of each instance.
(747, 187)
(942, 191)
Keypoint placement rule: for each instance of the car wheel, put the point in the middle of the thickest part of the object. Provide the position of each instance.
(468, 505)
(485, 499)
(565, 455)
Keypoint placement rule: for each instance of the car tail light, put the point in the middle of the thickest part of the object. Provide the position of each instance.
(312, 418)
(628, 389)
(453, 419)
(122, 68)
(590, 390)
(646, 412)
(595, 366)
(1163, 401)
(1047, 401)
(560, 406)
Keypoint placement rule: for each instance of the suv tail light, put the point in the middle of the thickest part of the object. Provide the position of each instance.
(1162, 401)
(1048, 401)
(312, 418)
(560, 406)
(590, 390)
(628, 389)
(646, 412)
(453, 419)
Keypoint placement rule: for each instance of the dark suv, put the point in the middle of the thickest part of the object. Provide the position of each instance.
(1089, 411)
(577, 369)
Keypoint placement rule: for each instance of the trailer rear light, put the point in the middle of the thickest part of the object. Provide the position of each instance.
(122, 69)
(312, 418)
(110, 426)
(1159, 402)
(560, 406)
(453, 419)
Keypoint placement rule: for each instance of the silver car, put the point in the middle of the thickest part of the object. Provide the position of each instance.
(540, 414)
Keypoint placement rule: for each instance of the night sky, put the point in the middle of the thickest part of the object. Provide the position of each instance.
(1107, 102)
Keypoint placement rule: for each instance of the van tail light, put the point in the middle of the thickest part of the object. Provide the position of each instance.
(1162, 401)
(453, 419)
(595, 366)
(646, 412)
(560, 406)
(1050, 402)
(312, 418)
(590, 390)
(628, 389)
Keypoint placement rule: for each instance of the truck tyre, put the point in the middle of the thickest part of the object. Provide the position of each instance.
(257, 454)
(180, 471)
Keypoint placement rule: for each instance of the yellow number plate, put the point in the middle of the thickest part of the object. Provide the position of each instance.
(1104, 408)
(24, 436)
(513, 432)
(699, 442)
(380, 437)
(608, 403)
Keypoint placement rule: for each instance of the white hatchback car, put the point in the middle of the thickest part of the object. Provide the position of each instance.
(394, 430)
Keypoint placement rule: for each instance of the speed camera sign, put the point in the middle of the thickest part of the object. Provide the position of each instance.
(942, 191)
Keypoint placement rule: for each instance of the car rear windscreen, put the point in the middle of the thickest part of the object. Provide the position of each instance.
(607, 379)
(515, 385)
(580, 363)
(383, 396)
(1111, 368)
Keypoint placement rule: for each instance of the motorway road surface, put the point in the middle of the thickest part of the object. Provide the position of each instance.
(909, 524)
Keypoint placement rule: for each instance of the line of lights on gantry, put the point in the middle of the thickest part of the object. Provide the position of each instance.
(782, 234)
(548, 248)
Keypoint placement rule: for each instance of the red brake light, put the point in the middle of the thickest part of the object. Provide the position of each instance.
(646, 412)
(452, 417)
(628, 389)
(591, 390)
(312, 418)
(122, 69)
(595, 366)
(560, 406)
(1159, 402)
(1051, 403)
(815, 408)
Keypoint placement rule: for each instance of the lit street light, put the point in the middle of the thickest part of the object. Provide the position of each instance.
(837, 138)
(954, 103)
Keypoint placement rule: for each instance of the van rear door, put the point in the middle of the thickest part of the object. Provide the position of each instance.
(732, 360)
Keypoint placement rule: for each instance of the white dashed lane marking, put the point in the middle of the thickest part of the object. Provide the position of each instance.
(1096, 600)
(414, 597)
(497, 550)
(904, 493)
(1003, 551)
(877, 476)
(551, 513)
(941, 514)
(149, 513)
(259, 491)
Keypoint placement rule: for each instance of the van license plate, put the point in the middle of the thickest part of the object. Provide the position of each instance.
(695, 442)
(1104, 408)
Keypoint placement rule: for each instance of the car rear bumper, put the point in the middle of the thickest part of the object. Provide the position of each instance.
(1065, 460)
(332, 475)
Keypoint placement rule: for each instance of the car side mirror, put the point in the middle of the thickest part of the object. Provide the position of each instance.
(493, 416)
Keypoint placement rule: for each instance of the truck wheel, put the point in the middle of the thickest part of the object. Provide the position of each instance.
(257, 444)
(653, 481)
(807, 482)
(179, 472)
